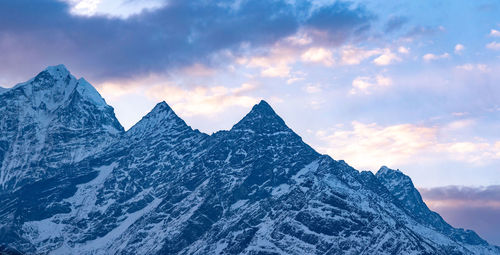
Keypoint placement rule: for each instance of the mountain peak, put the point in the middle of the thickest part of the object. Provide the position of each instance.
(393, 177)
(264, 106)
(161, 107)
(160, 118)
(56, 86)
(385, 170)
(57, 70)
(262, 119)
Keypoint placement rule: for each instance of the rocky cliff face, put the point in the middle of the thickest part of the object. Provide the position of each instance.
(50, 120)
(164, 188)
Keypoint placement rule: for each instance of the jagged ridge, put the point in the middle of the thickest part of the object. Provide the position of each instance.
(164, 188)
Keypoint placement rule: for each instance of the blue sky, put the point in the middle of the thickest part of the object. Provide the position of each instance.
(412, 85)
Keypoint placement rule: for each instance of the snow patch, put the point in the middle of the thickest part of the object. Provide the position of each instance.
(280, 190)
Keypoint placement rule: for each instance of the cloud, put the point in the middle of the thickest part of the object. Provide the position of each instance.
(459, 48)
(430, 57)
(116, 8)
(198, 69)
(351, 55)
(365, 84)
(333, 24)
(468, 207)
(386, 58)
(486, 194)
(420, 31)
(459, 124)
(475, 152)
(403, 50)
(493, 46)
(300, 39)
(371, 145)
(313, 88)
(203, 100)
(395, 23)
(474, 67)
(495, 33)
(318, 55)
(176, 35)
(275, 64)
(294, 79)
(85, 7)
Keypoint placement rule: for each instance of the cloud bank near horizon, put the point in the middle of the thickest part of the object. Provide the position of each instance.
(474, 208)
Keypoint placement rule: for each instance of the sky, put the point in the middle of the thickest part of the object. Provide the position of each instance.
(413, 85)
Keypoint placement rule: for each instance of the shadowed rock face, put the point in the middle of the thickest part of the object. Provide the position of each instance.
(164, 188)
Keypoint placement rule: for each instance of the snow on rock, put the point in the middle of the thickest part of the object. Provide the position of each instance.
(164, 188)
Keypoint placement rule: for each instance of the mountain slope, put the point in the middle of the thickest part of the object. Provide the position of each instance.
(403, 190)
(164, 188)
(48, 124)
(47, 121)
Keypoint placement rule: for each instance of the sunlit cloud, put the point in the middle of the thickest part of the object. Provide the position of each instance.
(459, 124)
(474, 67)
(318, 55)
(431, 57)
(494, 33)
(116, 8)
(294, 79)
(370, 145)
(403, 50)
(203, 100)
(459, 48)
(386, 58)
(300, 39)
(85, 7)
(275, 64)
(313, 88)
(493, 46)
(351, 55)
(365, 84)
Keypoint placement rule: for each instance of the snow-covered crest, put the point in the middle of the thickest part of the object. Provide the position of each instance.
(164, 188)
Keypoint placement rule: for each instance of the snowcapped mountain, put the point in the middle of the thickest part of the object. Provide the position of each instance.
(50, 120)
(164, 188)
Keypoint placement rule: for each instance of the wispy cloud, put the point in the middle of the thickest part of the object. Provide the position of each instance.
(493, 46)
(474, 67)
(386, 58)
(371, 145)
(203, 100)
(318, 55)
(351, 55)
(275, 64)
(313, 88)
(395, 23)
(366, 84)
(430, 57)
